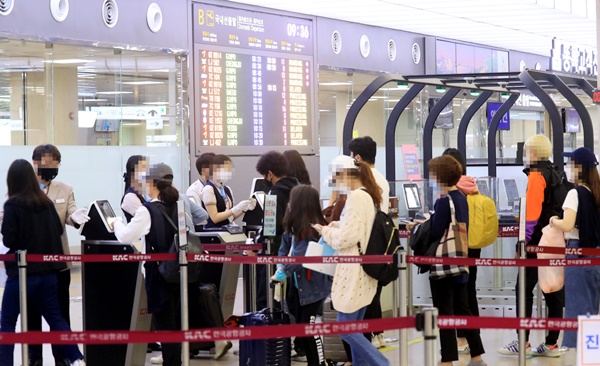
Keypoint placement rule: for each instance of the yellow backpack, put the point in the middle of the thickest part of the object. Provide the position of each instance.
(483, 221)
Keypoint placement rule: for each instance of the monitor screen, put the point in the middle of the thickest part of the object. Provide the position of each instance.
(482, 187)
(106, 210)
(512, 192)
(259, 185)
(413, 198)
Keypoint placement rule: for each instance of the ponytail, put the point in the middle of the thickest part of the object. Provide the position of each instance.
(168, 195)
(591, 178)
(368, 181)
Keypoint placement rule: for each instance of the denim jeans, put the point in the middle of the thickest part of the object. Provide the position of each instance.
(363, 351)
(582, 293)
(41, 293)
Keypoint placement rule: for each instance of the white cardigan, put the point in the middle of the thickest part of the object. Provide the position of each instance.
(352, 288)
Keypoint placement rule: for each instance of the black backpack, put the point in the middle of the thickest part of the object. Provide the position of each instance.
(384, 240)
(557, 187)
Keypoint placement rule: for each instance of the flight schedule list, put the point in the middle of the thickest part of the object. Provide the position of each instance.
(254, 100)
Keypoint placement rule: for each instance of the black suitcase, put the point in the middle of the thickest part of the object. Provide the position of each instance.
(266, 352)
(205, 312)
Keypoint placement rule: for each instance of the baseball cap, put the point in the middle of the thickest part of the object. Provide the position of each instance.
(583, 156)
(161, 172)
(339, 164)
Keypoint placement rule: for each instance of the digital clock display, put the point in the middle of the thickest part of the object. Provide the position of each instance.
(253, 79)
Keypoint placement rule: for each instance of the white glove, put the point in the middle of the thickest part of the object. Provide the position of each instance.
(251, 204)
(240, 207)
(112, 220)
(80, 216)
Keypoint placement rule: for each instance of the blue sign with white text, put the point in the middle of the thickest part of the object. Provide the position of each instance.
(492, 109)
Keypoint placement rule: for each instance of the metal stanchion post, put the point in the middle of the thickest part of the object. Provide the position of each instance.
(183, 281)
(522, 338)
(22, 265)
(270, 299)
(521, 281)
(403, 291)
(252, 273)
(427, 323)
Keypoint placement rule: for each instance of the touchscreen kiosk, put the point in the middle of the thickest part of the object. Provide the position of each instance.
(512, 192)
(412, 198)
(98, 227)
(483, 188)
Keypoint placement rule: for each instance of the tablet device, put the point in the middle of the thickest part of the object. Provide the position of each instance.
(483, 188)
(512, 192)
(412, 196)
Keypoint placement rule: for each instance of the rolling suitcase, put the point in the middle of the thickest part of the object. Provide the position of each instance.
(265, 352)
(205, 312)
(332, 345)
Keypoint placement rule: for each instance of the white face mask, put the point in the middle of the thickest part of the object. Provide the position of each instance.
(223, 176)
(342, 187)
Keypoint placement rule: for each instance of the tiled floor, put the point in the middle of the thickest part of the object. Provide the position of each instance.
(492, 339)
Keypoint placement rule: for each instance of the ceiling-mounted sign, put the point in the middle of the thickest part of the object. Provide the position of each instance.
(573, 59)
(129, 113)
(492, 109)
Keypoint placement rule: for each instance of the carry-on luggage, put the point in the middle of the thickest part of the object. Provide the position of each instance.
(266, 352)
(332, 344)
(205, 312)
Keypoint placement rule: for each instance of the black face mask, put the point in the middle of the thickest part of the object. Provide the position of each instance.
(47, 174)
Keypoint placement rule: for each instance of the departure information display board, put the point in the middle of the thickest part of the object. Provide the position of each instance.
(253, 78)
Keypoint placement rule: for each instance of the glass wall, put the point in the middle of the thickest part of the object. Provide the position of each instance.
(99, 106)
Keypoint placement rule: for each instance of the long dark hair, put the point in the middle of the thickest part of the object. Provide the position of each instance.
(304, 209)
(132, 162)
(456, 154)
(168, 195)
(591, 178)
(23, 185)
(296, 167)
(365, 175)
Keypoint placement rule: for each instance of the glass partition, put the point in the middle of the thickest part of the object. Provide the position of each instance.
(98, 106)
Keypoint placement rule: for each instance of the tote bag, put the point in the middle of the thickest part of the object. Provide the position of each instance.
(453, 245)
(551, 279)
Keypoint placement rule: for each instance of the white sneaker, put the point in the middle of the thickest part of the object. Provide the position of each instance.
(221, 348)
(382, 342)
(465, 350)
(158, 360)
(512, 349)
(78, 363)
(375, 341)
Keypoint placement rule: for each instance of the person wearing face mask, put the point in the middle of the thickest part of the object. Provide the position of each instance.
(134, 177)
(203, 164)
(46, 161)
(581, 225)
(273, 167)
(540, 172)
(217, 197)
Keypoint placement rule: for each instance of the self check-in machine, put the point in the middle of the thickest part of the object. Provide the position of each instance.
(114, 297)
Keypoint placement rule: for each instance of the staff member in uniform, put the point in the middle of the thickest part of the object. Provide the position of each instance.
(136, 171)
(203, 164)
(31, 223)
(46, 161)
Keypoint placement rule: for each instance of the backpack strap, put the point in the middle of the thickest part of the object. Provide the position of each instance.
(452, 210)
(163, 210)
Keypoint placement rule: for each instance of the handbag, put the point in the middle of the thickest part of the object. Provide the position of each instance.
(551, 279)
(453, 245)
(169, 270)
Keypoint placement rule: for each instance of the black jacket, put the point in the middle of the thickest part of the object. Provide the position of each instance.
(35, 229)
(282, 189)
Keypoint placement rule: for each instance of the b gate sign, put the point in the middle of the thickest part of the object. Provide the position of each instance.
(588, 340)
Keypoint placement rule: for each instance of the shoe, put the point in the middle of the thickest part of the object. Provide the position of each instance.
(155, 347)
(477, 363)
(465, 350)
(375, 342)
(545, 351)
(158, 360)
(78, 363)
(299, 357)
(512, 349)
(381, 339)
(221, 348)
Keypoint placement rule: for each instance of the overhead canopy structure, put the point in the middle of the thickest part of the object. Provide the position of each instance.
(538, 83)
